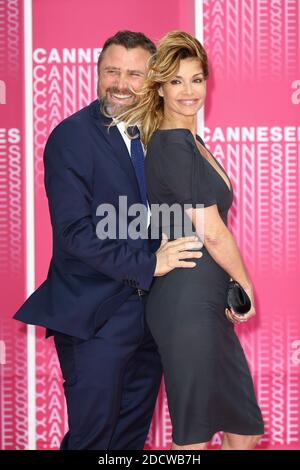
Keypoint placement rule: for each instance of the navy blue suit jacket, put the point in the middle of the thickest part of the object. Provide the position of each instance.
(88, 279)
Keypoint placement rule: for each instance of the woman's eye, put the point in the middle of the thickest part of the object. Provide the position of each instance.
(174, 82)
(198, 80)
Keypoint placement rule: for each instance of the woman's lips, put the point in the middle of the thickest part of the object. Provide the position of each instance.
(188, 102)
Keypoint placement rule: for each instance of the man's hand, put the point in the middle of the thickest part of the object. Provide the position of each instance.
(170, 255)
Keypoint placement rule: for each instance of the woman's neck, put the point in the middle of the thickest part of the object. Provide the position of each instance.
(188, 122)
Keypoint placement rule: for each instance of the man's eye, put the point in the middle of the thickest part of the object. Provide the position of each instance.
(112, 72)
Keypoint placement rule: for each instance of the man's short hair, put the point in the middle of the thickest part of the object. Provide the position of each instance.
(129, 40)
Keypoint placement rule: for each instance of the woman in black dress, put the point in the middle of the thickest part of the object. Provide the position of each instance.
(208, 383)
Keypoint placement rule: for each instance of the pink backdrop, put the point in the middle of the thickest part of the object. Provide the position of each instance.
(251, 124)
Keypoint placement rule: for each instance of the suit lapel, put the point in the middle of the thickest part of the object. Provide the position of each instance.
(116, 141)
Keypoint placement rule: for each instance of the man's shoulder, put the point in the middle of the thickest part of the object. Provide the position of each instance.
(73, 126)
(70, 140)
(78, 118)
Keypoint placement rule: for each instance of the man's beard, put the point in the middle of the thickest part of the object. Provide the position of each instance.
(109, 109)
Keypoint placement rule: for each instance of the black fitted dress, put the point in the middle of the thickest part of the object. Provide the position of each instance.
(207, 378)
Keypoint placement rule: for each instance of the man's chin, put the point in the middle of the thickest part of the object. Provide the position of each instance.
(112, 110)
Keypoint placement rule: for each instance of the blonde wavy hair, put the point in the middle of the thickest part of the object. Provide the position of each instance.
(148, 111)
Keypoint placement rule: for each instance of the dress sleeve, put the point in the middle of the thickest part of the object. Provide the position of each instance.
(185, 174)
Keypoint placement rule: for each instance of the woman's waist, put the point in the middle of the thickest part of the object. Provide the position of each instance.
(206, 270)
(175, 231)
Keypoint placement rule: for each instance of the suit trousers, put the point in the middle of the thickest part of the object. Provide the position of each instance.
(111, 382)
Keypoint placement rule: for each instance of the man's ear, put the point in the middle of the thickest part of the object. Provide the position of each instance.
(160, 92)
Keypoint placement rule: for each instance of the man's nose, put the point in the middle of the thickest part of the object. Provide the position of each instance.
(122, 83)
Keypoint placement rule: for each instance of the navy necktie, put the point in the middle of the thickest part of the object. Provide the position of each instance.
(137, 157)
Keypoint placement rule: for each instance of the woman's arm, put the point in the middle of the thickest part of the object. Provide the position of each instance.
(221, 245)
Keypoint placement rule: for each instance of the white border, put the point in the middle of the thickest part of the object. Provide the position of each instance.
(30, 261)
(198, 9)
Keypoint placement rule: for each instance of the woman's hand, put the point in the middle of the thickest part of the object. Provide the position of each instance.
(235, 317)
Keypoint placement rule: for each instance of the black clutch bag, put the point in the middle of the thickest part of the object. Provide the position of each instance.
(237, 298)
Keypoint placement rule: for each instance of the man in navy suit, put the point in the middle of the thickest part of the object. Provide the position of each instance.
(93, 298)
